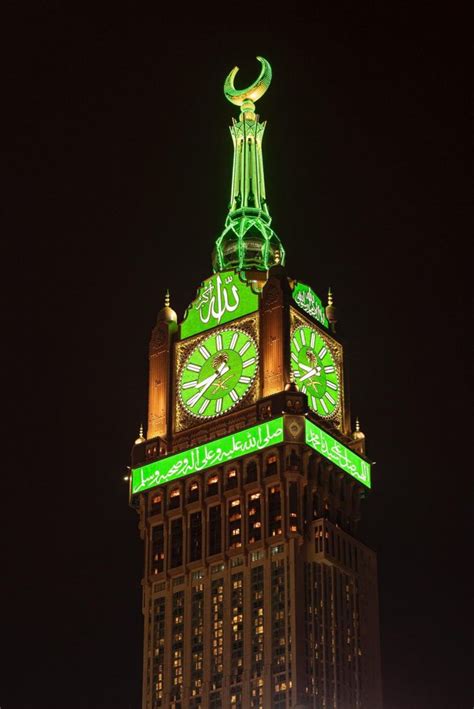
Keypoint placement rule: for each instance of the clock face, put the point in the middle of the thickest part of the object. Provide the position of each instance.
(218, 373)
(315, 370)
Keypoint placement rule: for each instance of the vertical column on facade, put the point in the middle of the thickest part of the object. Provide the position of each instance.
(226, 628)
(247, 626)
(147, 655)
(188, 630)
(168, 644)
(297, 595)
(159, 378)
(207, 638)
(144, 533)
(267, 653)
(274, 336)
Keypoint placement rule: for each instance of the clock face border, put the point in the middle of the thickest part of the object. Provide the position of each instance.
(297, 321)
(183, 418)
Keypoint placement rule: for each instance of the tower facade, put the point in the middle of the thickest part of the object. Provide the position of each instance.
(257, 592)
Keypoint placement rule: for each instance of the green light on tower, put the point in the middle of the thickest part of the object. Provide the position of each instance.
(248, 241)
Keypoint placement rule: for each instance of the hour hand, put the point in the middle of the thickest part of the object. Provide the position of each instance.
(206, 383)
(222, 369)
(310, 372)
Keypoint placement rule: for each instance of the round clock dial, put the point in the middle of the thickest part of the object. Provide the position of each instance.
(218, 373)
(315, 371)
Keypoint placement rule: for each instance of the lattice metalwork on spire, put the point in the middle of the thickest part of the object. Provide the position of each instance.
(248, 241)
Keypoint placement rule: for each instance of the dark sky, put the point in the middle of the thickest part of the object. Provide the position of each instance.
(118, 158)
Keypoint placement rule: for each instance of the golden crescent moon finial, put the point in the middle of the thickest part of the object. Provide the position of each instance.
(254, 91)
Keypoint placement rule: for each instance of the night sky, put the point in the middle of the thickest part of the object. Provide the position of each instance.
(118, 158)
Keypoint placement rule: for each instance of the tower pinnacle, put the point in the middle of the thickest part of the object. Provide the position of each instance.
(167, 314)
(331, 312)
(248, 241)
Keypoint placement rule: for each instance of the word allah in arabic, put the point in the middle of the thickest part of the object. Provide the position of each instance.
(216, 300)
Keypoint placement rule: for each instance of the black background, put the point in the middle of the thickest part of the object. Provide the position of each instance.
(118, 163)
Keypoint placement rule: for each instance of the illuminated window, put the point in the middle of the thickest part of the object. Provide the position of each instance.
(157, 549)
(293, 507)
(317, 505)
(278, 620)
(272, 465)
(237, 629)
(213, 485)
(175, 499)
(232, 479)
(197, 651)
(254, 509)
(274, 511)
(234, 524)
(193, 492)
(217, 638)
(177, 646)
(156, 504)
(158, 650)
(257, 610)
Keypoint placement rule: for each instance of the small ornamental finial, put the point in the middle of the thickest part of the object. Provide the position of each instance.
(331, 312)
(245, 98)
(141, 437)
(357, 434)
(291, 386)
(167, 313)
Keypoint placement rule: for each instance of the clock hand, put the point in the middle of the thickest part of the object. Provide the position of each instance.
(221, 383)
(206, 383)
(222, 369)
(309, 373)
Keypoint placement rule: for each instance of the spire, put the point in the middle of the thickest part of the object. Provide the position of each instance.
(248, 241)
(331, 312)
(167, 298)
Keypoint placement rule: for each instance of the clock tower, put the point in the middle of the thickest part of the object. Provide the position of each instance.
(257, 592)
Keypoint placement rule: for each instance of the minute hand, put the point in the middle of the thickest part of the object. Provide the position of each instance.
(308, 374)
(206, 383)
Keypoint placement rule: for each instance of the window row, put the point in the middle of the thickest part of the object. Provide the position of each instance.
(223, 534)
(212, 485)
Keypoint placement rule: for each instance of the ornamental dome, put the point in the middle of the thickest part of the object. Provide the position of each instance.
(140, 438)
(358, 435)
(167, 314)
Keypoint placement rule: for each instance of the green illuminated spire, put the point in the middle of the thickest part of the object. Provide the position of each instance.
(248, 241)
